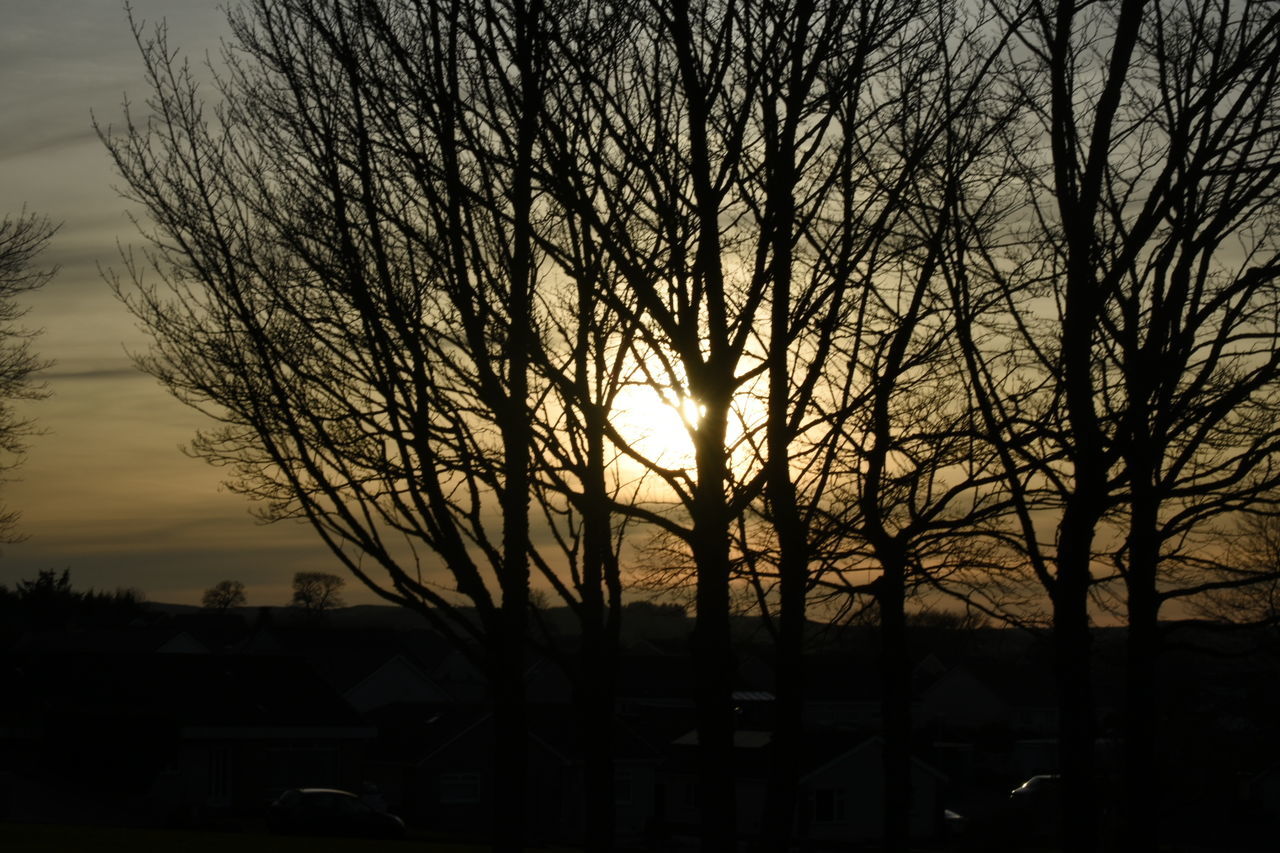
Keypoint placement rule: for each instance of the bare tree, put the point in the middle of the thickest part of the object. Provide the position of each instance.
(313, 592)
(22, 238)
(1140, 303)
(579, 483)
(1244, 586)
(1048, 376)
(711, 156)
(869, 459)
(225, 595)
(908, 477)
(1192, 318)
(344, 248)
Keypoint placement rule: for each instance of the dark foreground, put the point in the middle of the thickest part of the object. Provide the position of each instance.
(47, 838)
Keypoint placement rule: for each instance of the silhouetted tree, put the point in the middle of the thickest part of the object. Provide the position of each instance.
(225, 595)
(1057, 253)
(868, 461)
(937, 619)
(118, 608)
(348, 265)
(713, 155)
(1193, 361)
(576, 486)
(22, 238)
(909, 484)
(1120, 329)
(49, 602)
(315, 592)
(1243, 586)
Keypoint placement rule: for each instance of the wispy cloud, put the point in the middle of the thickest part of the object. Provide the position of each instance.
(124, 371)
(46, 143)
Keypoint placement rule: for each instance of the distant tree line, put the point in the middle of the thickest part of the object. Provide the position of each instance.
(314, 593)
(975, 299)
(49, 602)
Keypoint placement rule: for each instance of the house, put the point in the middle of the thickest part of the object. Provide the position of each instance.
(396, 680)
(163, 737)
(843, 798)
(959, 700)
(157, 639)
(1262, 792)
(842, 692)
(375, 667)
(435, 764)
(649, 682)
(841, 794)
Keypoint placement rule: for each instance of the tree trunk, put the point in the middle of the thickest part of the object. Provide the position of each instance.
(712, 644)
(595, 722)
(510, 712)
(1141, 714)
(511, 745)
(895, 704)
(713, 659)
(1072, 669)
(596, 686)
(788, 708)
(793, 552)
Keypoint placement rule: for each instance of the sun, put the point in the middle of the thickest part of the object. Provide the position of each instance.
(656, 424)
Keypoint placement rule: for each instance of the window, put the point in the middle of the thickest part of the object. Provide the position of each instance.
(219, 776)
(351, 807)
(303, 767)
(459, 788)
(623, 788)
(828, 805)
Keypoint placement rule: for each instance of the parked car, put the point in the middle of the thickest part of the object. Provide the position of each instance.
(954, 824)
(1035, 807)
(1037, 787)
(327, 811)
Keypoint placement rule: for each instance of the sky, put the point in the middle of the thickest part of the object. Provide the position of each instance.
(106, 491)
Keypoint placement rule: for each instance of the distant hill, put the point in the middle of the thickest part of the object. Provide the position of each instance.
(357, 616)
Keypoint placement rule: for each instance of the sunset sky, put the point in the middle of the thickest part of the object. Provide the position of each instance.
(106, 491)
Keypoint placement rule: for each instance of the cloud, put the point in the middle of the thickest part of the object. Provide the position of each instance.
(105, 490)
(56, 374)
(52, 141)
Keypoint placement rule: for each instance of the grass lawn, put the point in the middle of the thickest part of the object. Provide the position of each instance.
(41, 838)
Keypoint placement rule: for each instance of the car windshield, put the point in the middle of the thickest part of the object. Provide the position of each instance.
(1035, 783)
